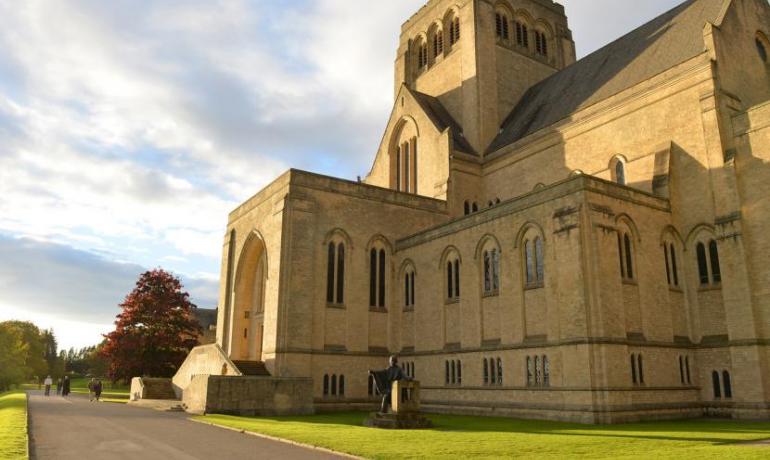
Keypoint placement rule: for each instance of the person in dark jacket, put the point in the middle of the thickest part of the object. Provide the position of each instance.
(65, 390)
(384, 380)
(58, 386)
(98, 389)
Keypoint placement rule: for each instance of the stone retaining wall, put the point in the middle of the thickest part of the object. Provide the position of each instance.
(250, 396)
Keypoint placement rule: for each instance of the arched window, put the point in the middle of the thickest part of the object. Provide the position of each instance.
(335, 274)
(475, 207)
(537, 371)
(377, 278)
(633, 369)
(454, 30)
(492, 371)
(459, 372)
(640, 368)
(672, 272)
(709, 270)
(703, 270)
(529, 256)
(491, 272)
(687, 368)
(342, 386)
(533, 256)
(761, 49)
(629, 258)
(541, 43)
(409, 289)
(626, 256)
(716, 272)
(422, 54)
(334, 385)
(454, 372)
(453, 280)
(501, 26)
(446, 376)
(486, 372)
(529, 371)
(438, 43)
(715, 385)
(370, 385)
(546, 371)
(620, 172)
(330, 273)
(326, 385)
(681, 370)
(522, 34)
(499, 371)
(467, 208)
(728, 385)
(674, 269)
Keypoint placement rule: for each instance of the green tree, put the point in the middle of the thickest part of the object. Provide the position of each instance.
(34, 359)
(13, 354)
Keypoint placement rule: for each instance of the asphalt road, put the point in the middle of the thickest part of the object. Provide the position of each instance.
(74, 428)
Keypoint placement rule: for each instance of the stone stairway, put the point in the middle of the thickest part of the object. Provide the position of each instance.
(252, 368)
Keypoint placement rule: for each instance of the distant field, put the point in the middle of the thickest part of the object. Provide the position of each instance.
(13, 426)
(460, 437)
(110, 392)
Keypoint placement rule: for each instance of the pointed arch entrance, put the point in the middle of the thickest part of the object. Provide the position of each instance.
(249, 301)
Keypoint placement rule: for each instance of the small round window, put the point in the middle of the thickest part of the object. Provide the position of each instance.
(762, 49)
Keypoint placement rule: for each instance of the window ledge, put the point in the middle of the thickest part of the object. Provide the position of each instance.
(630, 282)
(710, 287)
(378, 310)
(491, 294)
(408, 309)
(336, 306)
(676, 289)
(451, 301)
(534, 287)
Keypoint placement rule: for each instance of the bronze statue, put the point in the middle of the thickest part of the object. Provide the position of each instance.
(384, 380)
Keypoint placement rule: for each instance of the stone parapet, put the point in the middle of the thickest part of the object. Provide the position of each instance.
(249, 396)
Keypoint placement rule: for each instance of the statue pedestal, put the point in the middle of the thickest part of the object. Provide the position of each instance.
(413, 421)
(405, 404)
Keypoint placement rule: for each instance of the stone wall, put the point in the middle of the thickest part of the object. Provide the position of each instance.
(203, 360)
(249, 396)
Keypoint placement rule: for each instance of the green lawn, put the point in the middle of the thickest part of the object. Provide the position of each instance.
(13, 426)
(110, 393)
(480, 437)
(117, 393)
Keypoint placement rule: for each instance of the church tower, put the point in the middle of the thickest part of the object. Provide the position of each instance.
(479, 57)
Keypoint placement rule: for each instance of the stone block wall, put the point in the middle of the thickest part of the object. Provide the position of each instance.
(249, 396)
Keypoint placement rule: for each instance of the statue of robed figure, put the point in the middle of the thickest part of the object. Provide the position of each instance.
(384, 380)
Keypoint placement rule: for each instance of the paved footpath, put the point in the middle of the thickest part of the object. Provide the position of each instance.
(74, 428)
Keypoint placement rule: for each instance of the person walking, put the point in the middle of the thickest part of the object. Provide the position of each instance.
(91, 389)
(48, 382)
(98, 389)
(65, 389)
(58, 386)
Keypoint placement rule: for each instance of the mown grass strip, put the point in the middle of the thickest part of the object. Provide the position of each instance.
(14, 443)
(464, 437)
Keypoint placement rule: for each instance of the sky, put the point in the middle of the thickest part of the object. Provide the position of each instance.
(128, 131)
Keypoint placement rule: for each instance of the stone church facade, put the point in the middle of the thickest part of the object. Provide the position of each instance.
(538, 236)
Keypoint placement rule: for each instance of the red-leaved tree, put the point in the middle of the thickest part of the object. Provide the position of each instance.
(155, 331)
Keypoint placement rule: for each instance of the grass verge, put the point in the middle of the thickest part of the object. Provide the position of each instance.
(482, 437)
(13, 426)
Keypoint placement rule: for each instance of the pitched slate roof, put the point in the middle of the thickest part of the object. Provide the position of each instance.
(443, 120)
(664, 42)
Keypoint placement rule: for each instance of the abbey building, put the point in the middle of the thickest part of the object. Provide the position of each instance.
(538, 236)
